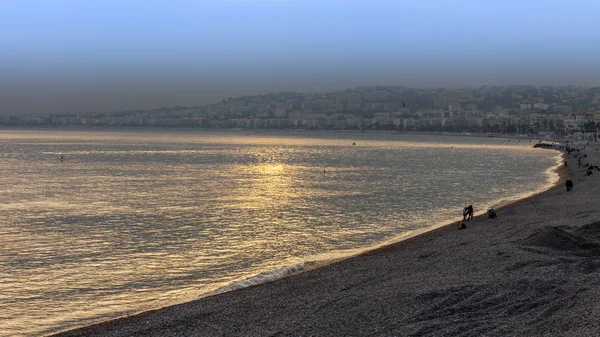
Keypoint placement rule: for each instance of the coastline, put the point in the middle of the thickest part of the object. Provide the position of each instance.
(559, 170)
(562, 177)
(209, 315)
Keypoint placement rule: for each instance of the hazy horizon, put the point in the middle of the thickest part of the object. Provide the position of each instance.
(78, 56)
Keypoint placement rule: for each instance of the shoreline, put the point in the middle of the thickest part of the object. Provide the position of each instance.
(559, 170)
(386, 248)
(562, 177)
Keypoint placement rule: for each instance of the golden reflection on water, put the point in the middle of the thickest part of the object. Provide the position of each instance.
(271, 188)
(135, 220)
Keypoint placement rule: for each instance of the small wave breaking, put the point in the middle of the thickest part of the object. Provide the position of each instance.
(262, 278)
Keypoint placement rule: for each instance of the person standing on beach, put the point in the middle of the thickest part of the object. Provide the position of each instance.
(569, 185)
(465, 212)
(470, 212)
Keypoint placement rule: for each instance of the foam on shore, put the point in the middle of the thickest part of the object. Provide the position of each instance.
(262, 278)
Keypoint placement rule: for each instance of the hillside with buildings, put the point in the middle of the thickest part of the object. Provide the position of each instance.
(513, 109)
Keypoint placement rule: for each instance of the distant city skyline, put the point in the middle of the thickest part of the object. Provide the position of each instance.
(513, 109)
(76, 56)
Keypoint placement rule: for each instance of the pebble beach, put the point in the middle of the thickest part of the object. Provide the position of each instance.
(532, 271)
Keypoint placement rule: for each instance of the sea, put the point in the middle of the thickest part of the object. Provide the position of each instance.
(134, 220)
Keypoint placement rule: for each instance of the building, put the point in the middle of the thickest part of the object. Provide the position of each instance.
(280, 112)
(454, 107)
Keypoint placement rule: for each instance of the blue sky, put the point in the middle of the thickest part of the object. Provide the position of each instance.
(101, 55)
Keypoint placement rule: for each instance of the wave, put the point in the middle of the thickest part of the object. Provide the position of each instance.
(316, 261)
(262, 278)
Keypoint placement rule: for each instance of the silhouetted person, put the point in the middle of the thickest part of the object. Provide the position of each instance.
(569, 185)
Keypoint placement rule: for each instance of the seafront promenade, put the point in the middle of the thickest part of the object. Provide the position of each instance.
(533, 271)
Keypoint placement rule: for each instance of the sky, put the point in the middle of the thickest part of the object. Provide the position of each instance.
(107, 55)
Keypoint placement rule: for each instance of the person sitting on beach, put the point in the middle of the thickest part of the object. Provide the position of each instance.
(461, 225)
(491, 213)
(470, 212)
(569, 185)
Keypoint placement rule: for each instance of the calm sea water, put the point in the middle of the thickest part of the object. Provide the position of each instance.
(136, 220)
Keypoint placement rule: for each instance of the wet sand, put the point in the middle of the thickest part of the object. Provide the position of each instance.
(533, 271)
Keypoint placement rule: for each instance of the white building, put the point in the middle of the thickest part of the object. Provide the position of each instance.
(454, 107)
